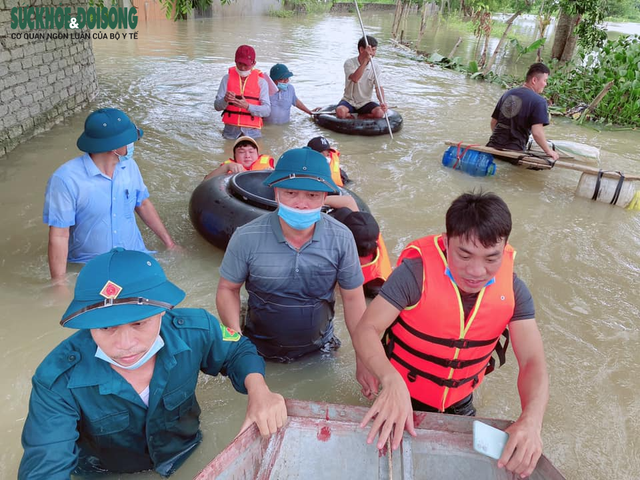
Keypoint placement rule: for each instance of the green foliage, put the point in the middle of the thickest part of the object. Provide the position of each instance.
(307, 6)
(579, 83)
(528, 49)
(280, 13)
(623, 9)
(181, 8)
(592, 13)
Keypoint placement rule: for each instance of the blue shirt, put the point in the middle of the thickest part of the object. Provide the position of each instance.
(98, 210)
(84, 416)
(281, 103)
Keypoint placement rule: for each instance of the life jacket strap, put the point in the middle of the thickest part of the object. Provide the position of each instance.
(414, 373)
(447, 342)
(443, 362)
(239, 112)
(501, 351)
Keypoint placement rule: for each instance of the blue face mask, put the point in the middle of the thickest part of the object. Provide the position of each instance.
(128, 155)
(283, 86)
(157, 345)
(448, 273)
(298, 219)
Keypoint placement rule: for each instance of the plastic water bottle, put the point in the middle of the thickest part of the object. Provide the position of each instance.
(478, 164)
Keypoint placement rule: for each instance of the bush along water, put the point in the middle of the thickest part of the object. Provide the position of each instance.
(573, 86)
(580, 82)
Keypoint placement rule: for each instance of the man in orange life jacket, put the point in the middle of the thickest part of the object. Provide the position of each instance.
(245, 157)
(444, 308)
(243, 97)
(321, 144)
(372, 251)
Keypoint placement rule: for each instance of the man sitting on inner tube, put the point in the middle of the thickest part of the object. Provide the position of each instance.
(372, 251)
(245, 157)
(290, 261)
(359, 84)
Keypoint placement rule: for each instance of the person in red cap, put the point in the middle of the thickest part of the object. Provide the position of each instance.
(243, 97)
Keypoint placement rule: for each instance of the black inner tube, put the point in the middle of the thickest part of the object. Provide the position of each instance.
(248, 187)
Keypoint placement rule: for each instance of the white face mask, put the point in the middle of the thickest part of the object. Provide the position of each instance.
(243, 73)
(155, 348)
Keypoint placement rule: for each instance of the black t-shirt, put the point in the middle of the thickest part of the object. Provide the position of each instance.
(404, 288)
(516, 111)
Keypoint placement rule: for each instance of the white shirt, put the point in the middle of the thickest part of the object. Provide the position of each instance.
(360, 93)
(144, 396)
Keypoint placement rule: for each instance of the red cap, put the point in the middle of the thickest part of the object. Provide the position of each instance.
(245, 54)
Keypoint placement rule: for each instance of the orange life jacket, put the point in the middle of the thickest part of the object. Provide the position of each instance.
(441, 355)
(334, 165)
(248, 88)
(264, 162)
(380, 266)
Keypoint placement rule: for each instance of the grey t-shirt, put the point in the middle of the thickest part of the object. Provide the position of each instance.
(404, 288)
(259, 255)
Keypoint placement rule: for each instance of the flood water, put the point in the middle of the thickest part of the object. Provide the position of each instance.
(579, 258)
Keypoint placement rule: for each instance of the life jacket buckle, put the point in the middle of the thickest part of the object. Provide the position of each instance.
(455, 363)
(411, 376)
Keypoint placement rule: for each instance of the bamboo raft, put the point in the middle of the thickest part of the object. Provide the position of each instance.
(532, 160)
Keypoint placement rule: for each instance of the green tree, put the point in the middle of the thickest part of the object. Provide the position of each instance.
(578, 22)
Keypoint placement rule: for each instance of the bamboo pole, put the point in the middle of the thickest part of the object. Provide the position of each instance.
(373, 68)
(592, 106)
(540, 161)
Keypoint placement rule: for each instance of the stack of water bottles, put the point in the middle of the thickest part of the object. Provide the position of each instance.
(478, 164)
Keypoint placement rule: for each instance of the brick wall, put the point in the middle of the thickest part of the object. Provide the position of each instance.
(41, 80)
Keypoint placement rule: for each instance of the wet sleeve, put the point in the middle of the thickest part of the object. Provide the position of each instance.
(264, 109)
(349, 270)
(231, 354)
(234, 266)
(219, 103)
(403, 288)
(524, 308)
(49, 436)
(59, 204)
(539, 112)
(294, 97)
(142, 193)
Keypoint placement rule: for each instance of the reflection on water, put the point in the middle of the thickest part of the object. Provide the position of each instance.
(579, 258)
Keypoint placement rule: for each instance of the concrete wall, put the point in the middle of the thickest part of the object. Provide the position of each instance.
(41, 80)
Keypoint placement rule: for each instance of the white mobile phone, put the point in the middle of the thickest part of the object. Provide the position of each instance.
(488, 440)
